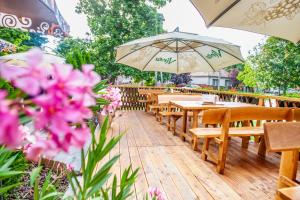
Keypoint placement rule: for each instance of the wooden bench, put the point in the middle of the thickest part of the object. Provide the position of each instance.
(171, 112)
(285, 138)
(149, 96)
(225, 117)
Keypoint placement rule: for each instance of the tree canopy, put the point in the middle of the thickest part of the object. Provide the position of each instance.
(274, 64)
(115, 22)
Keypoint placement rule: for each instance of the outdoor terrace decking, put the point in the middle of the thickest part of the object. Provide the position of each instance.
(170, 164)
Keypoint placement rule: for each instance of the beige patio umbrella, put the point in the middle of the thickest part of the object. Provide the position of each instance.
(19, 59)
(179, 52)
(279, 18)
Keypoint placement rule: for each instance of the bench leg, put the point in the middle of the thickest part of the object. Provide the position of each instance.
(245, 142)
(222, 156)
(194, 143)
(205, 148)
(174, 125)
(262, 148)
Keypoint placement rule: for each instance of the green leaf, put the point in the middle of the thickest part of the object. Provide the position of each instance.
(5, 167)
(103, 172)
(34, 174)
(100, 86)
(9, 187)
(52, 195)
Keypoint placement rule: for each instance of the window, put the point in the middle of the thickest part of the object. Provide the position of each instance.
(227, 83)
(215, 82)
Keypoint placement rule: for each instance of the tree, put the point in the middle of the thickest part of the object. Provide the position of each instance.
(274, 64)
(77, 52)
(234, 71)
(115, 22)
(179, 79)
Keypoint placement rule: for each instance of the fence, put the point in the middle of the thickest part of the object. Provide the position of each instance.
(131, 97)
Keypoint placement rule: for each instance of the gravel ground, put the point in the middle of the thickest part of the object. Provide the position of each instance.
(25, 191)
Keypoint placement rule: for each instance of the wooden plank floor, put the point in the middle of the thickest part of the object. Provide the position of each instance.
(170, 164)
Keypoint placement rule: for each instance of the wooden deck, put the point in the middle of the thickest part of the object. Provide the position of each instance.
(170, 164)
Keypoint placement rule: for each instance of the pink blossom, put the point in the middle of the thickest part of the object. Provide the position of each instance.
(112, 95)
(70, 167)
(10, 134)
(41, 146)
(61, 97)
(29, 79)
(155, 193)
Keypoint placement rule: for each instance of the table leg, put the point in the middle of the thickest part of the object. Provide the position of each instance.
(195, 118)
(184, 121)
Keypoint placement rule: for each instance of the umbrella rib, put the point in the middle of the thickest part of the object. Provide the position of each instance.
(220, 49)
(223, 12)
(156, 54)
(200, 55)
(138, 50)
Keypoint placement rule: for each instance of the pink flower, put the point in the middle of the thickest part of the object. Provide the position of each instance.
(31, 78)
(10, 134)
(61, 97)
(70, 167)
(112, 95)
(155, 193)
(41, 146)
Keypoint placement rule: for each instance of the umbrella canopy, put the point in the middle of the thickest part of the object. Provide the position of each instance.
(40, 16)
(19, 59)
(179, 52)
(279, 18)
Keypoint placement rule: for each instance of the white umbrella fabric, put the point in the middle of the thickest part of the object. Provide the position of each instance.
(179, 52)
(279, 18)
(19, 59)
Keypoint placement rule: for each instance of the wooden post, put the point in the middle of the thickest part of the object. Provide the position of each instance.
(195, 118)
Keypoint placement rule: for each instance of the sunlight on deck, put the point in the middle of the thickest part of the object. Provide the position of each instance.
(170, 164)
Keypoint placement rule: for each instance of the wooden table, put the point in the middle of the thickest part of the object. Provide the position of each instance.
(197, 106)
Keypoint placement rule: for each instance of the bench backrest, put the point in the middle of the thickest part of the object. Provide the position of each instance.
(166, 98)
(282, 136)
(217, 116)
(150, 91)
(226, 116)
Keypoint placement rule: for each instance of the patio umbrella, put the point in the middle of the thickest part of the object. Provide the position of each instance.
(279, 18)
(179, 52)
(40, 16)
(20, 58)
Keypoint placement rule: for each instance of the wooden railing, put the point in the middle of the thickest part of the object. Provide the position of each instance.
(131, 97)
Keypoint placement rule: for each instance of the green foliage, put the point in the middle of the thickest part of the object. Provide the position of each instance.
(21, 39)
(115, 22)
(11, 91)
(94, 180)
(248, 76)
(275, 64)
(293, 95)
(48, 190)
(12, 164)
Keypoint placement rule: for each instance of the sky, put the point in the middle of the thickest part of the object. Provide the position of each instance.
(178, 13)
